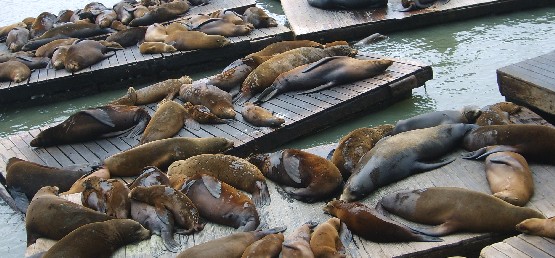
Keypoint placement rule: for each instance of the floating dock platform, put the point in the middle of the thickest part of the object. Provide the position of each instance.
(308, 22)
(521, 246)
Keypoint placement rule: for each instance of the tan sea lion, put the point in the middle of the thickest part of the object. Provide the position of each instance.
(153, 93)
(336, 43)
(6, 29)
(47, 50)
(233, 245)
(150, 176)
(402, 155)
(305, 176)
(165, 123)
(175, 27)
(94, 123)
(78, 187)
(28, 22)
(44, 22)
(259, 116)
(297, 244)
(161, 13)
(219, 26)
(128, 37)
(509, 177)
(58, 57)
(354, 145)
(102, 239)
(83, 54)
(538, 227)
(455, 209)
(162, 153)
(190, 40)
(156, 33)
(269, 246)
(14, 71)
(17, 38)
(284, 46)
(218, 101)
(228, 15)
(108, 196)
(235, 171)
(466, 115)
(219, 202)
(156, 48)
(325, 241)
(158, 221)
(497, 114)
(118, 25)
(46, 205)
(257, 17)
(370, 224)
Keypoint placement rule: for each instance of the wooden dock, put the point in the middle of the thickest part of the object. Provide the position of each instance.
(129, 65)
(308, 22)
(531, 83)
(521, 246)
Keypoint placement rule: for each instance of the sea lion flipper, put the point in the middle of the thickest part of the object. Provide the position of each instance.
(266, 95)
(346, 237)
(100, 115)
(169, 242)
(421, 166)
(291, 167)
(320, 62)
(212, 185)
(319, 88)
(20, 199)
(262, 196)
(192, 124)
(485, 151)
(446, 228)
(163, 215)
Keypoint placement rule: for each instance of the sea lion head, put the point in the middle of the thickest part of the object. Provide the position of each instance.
(73, 66)
(331, 206)
(354, 191)
(185, 79)
(132, 231)
(20, 76)
(471, 113)
(47, 190)
(218, 41)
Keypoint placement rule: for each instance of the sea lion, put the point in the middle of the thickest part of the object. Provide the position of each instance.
(156, 48)
(67, 30)
(232, 76)
(219, 26)
(6, 29)
(325, 241)
(219, 202)
(410, 5)
(284, 46)
(124, 11)
(77, 187)
(64, 16)
(297, 244)
(175, 27)
(165, 123)
(230, 246)
(336, 43)
(229, 15)
(140, 11)
(531, 141)
(455, 209)
(156, 33)
(14, 71)
(370, 224)
(102, 239)
(105, 18)
(153, 93)
(44, 22)
(108, 196)
(538, 227)
(257, 17)
(28, 177)
(199, 114)
(128, 37)
(158, 221)
(190, 40)
(58, 57)
(346, 5)
(218, 101)
(323, 74)
(162, 153)
(162, 13)
(497, 114)
(17, 38)
(118, 26)
(83, 54)
(354, 145)
(259, 116)
(150, 176)
(28, 22)
(52, 217)
(466, 115)
(32, 62)
(509, 177)
(370, 40)
(266, 73)
(193, 21)
(399, 156)
(269, 246)
(235, 171)
(47, 50)
(94, 123)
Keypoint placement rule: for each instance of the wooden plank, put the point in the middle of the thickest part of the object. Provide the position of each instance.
(540, 243)
(508, 250)
(526, 247)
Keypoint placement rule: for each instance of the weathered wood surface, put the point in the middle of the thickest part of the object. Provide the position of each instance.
(521, 246)
(530, 83)
(308, 22)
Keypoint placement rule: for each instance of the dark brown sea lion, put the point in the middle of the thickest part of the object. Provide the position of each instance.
(156, 48)
(218, 101)
(105, 19)
(6, 29)
(257, 17)
(305, 176)
(509, 177)
(162, 153)
(166, 121)
(269, 246)
(128, 37)
(259, 116)
(52, 217)
(297, 244)
(108, 196)
(466, 115)
(28, 177)
(44, 22)
(354, 145)
(124, 11)
(190, 40)
(32, 62)
(219, 202)
(150, 176)
(399, 156)
(497, 114)
(78, 187)
(102, 239)
(158, 221)
(17, 38)
(230, 246)
(58, 57)
(93, 123)
(47, 50)
(455, 209)
(67, 30)
(219, 26)
(162, 13)
(83, 54)
(14, 71)
(156, 33)
(538, 227)
(325, 241)
(531, 141)
(64, 16)
(369, 224)
(323, 74)
(153, 93)
(235, 171)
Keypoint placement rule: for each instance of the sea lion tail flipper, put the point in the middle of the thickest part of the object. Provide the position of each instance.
(421, 166)
(319, 88)
(139, 127)
(169, 242)
(274, 230)
(485, 151)
(20, 199)
(346, 238)
(320, 62)
(262, 196)
(241, 98)
(192, 124)
(100, 115)
(266, 95)
(291, 167)
(443, 229)
(213, 185)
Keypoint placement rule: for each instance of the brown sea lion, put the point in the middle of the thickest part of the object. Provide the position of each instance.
(509, 177)
(150, 176)
(67, 30)
(257, 17)
(200, 114)
(58, 57)
(162, 153)
(466, 115)
(259, 116)
(52, 217)
(219, 202)
(336, 43)
(28, 22)
(64, 16)
(30, 61)
(162, 13)
(156, 48)
(140, 11)
(228, 15)
(105, 19)
(156, 33)
(297, 244)
(190, 40)
(102, 239)
(369, 224)
(158, 221)
(235, 171)
(78, 187)
(284, 46)
(108, 196)
(165, 123)
(323, 74)
(44, 22)
(128, 37)
(305, 176)
(233, 245)
(219, 26)
(153, 93)
(175, 27)
(6, 29)
(455, 209)
(402, 155)
(218, 101)
(268, 247)
(117, 25)
(197, 19)
(47, 50)
(232, 76)
(531, 141)
(28, 177)
(14, 71)
(124, 11)
(497, 114)
(83, 54)
(538, 227)
(373, 38)
(17, 38)
(354, 145)
(325, 241)
(94, 123)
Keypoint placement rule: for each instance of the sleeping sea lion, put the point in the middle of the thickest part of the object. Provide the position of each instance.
(58, 57)
(158, 221)
(44, 22)
(219, 26)
(105, 18)
(297, 244)
(156, 48)
(14, 71)
(467, 115)
(258, 18)
(68, 30)
(509, 177)
(325, 241)
(162, 13)
(200, 114)
(218, 101)
(347, 5)
(229, 15)
(140, 11)
(497, 114)
(166, 121)
(124, 11)
(150, 176)
(232, 76)
(17, 38)
(268, 246)
(64, 16)
(538, 227)
(47, 50)
(128, 37)
(190, 40)
(155, 33)
(284, 46)
(259, 116)
(153, 93)
(78, 187)
(83, 54)
(108, 196)
(6, 29)
(175, 27)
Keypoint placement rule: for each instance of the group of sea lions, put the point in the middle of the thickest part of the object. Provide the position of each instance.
(408, 5)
